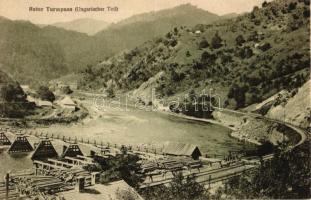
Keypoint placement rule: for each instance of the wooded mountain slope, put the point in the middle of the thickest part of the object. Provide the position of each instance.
(26, 54)
(245, 60)
(32, 54)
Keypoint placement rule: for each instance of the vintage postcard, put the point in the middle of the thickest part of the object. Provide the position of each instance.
(155, 99)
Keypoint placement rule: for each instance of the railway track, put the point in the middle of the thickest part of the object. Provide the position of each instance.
(213, 175)
(303, 133)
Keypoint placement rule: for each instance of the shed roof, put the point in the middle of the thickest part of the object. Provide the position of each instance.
(179, 149)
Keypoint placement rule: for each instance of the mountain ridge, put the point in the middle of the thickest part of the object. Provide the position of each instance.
(83, 25)
(49, 51)
(168, 12)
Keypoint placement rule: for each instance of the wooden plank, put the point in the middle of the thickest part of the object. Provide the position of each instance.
(60, 162)
(78, 160)
(49, 165)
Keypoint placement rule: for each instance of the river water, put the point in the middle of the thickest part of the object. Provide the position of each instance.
(137, 127)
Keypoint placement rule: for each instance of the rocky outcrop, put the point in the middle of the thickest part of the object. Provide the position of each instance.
(293, 107)
(295, 110)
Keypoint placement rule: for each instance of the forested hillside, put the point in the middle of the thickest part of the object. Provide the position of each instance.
(135, 30)
(245, 60)
(28, 55)
(32, 54)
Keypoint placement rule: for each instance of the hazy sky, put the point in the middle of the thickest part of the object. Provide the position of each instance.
(19, 9)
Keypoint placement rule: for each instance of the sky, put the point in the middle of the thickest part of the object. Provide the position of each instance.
(19, 9)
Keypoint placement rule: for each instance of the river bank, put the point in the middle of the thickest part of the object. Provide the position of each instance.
(234, 130)
(236, 123)
(45, 116)
(245, 128)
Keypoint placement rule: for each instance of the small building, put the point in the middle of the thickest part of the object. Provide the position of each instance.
(31, 99)
(198, 32)
(38, 102)
(179, 149)
(68, 103)
(46, 104)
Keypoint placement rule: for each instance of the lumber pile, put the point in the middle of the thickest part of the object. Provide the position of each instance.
(32, 185)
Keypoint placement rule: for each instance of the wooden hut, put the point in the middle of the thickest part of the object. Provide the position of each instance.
(179, 149)
(68, 103)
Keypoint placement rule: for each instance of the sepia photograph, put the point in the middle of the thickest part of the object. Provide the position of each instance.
(155, 99)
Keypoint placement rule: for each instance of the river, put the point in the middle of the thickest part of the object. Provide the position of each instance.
(137, 127)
